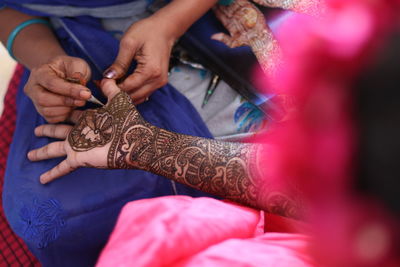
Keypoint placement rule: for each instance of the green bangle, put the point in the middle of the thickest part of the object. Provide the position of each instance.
(225, 2)
(20, 27)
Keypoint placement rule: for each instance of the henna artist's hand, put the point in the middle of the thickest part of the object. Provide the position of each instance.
(147, 42)
(54, 97)
(88, 142)
(246, 25)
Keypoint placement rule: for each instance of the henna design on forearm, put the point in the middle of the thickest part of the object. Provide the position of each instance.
(229, 170)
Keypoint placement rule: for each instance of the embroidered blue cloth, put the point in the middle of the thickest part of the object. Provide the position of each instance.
(67, 222)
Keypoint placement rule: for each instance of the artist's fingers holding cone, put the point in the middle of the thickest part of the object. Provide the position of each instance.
(127, 50)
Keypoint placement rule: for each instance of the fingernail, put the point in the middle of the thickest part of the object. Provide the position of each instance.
(43, 179)
(29, 155)
(85, 94)
(110, 74)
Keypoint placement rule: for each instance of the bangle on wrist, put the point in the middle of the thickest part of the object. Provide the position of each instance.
(18, 29)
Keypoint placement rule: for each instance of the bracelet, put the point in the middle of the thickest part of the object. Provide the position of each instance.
(225, 2)
(18, 29)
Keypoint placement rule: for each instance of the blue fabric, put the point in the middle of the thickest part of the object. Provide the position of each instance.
(67, 222)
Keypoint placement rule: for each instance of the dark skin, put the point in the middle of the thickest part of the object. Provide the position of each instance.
(117, 137)
(37, 48)
(149, 42)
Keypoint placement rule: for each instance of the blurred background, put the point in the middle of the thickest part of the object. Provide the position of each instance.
(7, 66)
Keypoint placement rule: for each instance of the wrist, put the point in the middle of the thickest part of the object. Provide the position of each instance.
(179, 15)
(169, 29)
(53, 55)
(36, 46)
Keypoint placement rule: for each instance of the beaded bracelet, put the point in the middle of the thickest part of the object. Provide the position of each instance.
(18, 29)
(225, 2)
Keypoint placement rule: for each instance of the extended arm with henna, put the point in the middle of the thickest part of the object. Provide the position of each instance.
(229, 170)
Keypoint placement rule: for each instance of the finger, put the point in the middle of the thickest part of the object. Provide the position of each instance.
(60, 86)
(50, 151)
(109, 88)
(143, 93)
(140, 101)
(220, 13)
(127, 50)
(46, 98)
(224, 38)
(79, 69)
(136, 80)
(74, 116)
(61, 169)
(268, 3)
(57, 119)
(53, 130)
(48, 112)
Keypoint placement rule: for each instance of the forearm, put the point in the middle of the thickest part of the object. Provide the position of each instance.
(179, 15)
(34, 45)
(266, 48)
(230, 170)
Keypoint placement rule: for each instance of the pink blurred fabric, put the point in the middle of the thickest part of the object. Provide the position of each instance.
(185, 231)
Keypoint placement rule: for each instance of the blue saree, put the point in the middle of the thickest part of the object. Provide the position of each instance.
(67, 222)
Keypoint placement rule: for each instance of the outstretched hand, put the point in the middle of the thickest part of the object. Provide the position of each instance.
(89, 141)
(246, 25)
(311, 7)
(243, 20)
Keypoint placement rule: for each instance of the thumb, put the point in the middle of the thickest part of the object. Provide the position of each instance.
(127, 50)
(109, 88)
(78, 69)
(224, 38)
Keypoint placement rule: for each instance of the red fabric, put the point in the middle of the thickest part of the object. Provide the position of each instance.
(13, 251)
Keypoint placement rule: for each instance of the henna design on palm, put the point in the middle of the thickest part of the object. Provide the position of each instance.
(247, 27)
(94, 129)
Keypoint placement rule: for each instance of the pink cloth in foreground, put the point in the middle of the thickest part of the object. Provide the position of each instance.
(185, 231)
